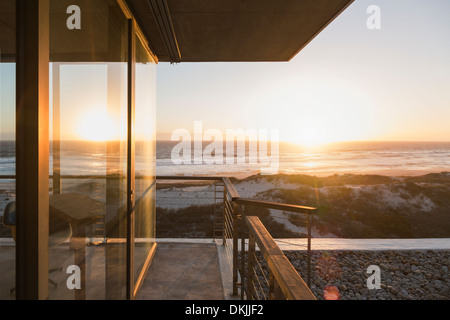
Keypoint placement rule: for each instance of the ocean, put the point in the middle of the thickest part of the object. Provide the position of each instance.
(403, 204)
(383, 158)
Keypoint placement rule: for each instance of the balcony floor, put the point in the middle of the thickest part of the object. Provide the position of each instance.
(184, 271)
(181, 270)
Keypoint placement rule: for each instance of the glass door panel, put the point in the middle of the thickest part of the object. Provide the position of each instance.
(88, 156)
(145, 158)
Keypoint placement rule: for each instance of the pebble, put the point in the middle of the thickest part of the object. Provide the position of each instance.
(405, 275)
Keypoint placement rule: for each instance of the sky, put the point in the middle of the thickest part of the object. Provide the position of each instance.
(349, 83)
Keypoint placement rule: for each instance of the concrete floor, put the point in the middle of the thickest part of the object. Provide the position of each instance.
(184, 271)
(7, 271)
(179, 271)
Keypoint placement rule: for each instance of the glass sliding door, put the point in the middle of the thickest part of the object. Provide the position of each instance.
(7, 148)
(102, 151)
(88, 155)
(145, 159)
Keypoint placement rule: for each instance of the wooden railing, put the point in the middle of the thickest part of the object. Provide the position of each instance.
(282, 280)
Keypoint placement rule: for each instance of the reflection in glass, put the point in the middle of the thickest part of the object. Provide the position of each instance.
(145, 130)
(88, 156)
(7, 149)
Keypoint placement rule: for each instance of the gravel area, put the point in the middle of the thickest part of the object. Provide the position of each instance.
(405, 275)
(343, 275)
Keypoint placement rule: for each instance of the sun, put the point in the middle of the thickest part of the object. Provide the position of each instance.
(97, 126)
(311, 137)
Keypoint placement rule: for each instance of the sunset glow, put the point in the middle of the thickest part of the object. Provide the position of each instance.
(96, 126)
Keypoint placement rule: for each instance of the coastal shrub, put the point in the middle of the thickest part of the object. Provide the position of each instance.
(352, 179)
(275, 228)
(303, 196)
(351, 206)
(185, 222)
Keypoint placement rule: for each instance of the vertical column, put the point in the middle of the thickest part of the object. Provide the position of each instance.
(131, 157)
(56, 141)
(32, 147)
(114, 218)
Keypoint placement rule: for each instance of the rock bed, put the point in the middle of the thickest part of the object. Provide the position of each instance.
(405, 275)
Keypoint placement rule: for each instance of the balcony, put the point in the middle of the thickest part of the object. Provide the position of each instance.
(83, 110)
(224, 251)
(239, 256)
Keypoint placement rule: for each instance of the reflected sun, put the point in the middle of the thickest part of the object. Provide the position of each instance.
(96, 126)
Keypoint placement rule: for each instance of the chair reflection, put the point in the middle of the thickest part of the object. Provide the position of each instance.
(59, 232)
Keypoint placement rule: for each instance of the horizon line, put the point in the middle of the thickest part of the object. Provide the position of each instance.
(224, 140)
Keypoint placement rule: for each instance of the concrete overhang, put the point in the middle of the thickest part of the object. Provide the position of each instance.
(7, 31)
(184, 30)
(233, 30)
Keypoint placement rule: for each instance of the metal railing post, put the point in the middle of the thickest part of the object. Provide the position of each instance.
(242, 257)
(225, 198)
(308, 277)
(236, 218)
(250, 267)
(287, 283)
(271, 286)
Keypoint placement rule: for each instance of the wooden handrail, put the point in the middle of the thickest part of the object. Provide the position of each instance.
(288, 279)
(277, 206)
(201, 178)
(230, 188)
